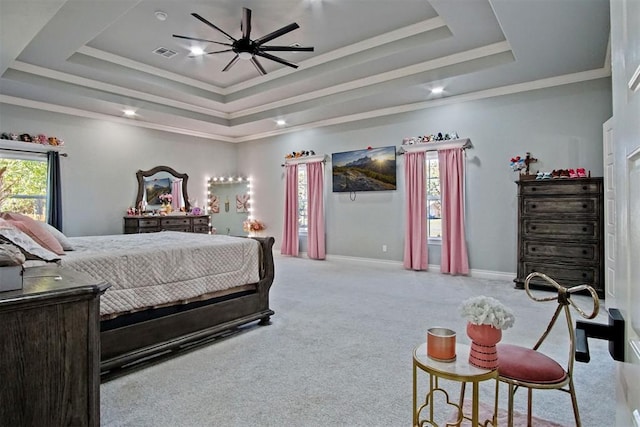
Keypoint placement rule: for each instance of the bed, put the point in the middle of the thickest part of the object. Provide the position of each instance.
(167, 289)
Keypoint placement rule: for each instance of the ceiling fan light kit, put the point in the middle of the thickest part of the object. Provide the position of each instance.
(247, 49)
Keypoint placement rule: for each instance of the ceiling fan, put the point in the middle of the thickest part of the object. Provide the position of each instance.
(246, 48)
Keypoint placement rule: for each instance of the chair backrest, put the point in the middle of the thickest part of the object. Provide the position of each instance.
(564, 300)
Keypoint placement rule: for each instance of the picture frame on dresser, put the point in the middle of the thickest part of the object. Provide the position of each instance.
(561, 231)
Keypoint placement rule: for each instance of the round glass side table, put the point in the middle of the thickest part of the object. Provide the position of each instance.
(459, 371)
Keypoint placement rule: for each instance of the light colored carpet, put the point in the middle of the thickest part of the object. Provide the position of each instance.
(339, 353)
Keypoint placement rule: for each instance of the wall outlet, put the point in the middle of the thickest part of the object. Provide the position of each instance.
(384, 248)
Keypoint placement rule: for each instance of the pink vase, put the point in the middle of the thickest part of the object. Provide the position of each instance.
(483, 345)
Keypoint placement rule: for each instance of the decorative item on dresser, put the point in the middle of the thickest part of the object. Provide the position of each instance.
(50, 359)
(152, 224)
(560, 231)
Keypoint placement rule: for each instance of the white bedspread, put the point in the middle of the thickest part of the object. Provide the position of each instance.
(146, 270)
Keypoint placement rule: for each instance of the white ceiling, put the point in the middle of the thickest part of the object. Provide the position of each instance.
(95, 58)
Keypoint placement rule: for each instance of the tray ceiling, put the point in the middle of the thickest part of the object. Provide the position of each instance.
(96, 58)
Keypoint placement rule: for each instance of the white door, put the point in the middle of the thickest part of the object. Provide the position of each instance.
(624, 33)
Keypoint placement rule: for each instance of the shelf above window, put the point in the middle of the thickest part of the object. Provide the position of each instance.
(435, 145)
(305, 159)
(10, 144)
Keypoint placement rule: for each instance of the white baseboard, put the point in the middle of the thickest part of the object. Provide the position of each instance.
(432, 268)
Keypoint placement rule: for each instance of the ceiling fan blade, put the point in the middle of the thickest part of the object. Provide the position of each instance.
(230, 64)
(201, 40)
(286, 48)
(258, 66)
(277, 33)
(276, 59)
(211, 53)
(245, 24)
(195, 15)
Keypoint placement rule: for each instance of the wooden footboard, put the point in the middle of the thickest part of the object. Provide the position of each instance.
(126, 344)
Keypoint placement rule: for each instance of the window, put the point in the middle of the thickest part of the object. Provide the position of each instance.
(27, 176)
(302, 198)
(434, 200)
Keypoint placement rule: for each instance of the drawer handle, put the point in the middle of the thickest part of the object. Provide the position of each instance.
(533, 206)
(533, 188)
(533, 227)
(533, 249)
(584, 252)
(584, 275)
(584, 206)
(585, 188)
(584, 229)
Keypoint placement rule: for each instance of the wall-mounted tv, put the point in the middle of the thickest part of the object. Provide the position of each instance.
(372, 169)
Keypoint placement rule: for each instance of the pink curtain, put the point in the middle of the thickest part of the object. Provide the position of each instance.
(176, 192)
(415, 240)
(454, 259)
(315, 205)
(290, 226)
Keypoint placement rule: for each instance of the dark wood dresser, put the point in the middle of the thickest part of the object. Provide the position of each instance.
(152, 224)
(50, 350)
(560, 231)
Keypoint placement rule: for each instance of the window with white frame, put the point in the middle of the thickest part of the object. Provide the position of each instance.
(302, 198)
(26, 177)
(434, 199)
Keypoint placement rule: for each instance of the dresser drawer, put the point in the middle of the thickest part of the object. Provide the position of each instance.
(201, 221)
(577, 252)
(569, 187)
(558, 229)
(142, 222)
(183, 228)
(561, 206)
(204, 229)
(175, 222)
(565, 274)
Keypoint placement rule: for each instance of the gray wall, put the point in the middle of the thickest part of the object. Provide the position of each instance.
(98, 176)
(560, 126)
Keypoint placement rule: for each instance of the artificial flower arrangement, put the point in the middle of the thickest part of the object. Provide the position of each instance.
(483, 310)
(166, 198)
(517, 163)
(251, 225)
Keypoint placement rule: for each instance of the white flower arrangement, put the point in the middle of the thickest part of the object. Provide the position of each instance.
(483, 310)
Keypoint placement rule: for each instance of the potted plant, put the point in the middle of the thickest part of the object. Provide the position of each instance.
(486, 318)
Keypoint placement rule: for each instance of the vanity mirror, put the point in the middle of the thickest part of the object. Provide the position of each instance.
(229, 204)
(159, 181)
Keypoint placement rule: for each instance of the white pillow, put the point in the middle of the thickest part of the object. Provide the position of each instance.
(29, 246)
(60, 237)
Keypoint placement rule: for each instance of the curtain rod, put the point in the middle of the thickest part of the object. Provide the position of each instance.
(304, 163)
(30, 151)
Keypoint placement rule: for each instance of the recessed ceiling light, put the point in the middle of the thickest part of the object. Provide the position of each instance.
(437, 90)
(160, 15)
(281, 122)
(197, 51)
(129, 113)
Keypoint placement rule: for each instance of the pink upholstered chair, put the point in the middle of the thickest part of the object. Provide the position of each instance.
(530, 368)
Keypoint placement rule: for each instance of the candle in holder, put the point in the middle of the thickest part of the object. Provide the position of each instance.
(441, 344)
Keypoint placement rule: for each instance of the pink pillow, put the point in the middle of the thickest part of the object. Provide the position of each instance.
(34, 230)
